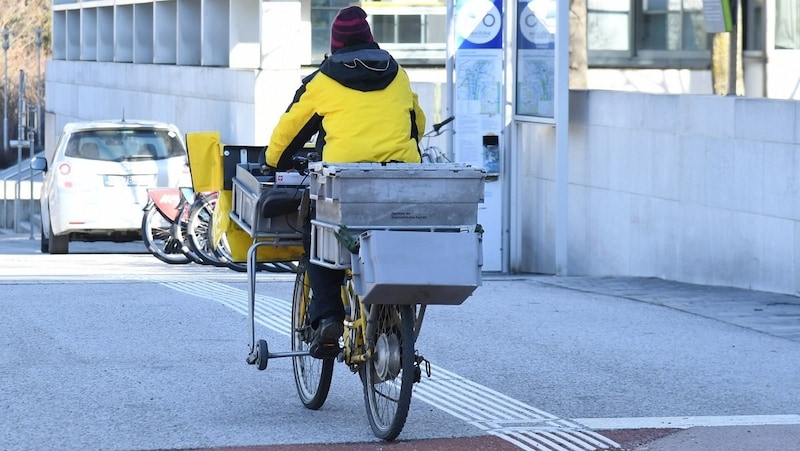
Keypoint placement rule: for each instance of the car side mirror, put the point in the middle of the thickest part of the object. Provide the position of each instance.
(39, 164)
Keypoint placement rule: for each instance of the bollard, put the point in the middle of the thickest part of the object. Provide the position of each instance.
(20, 143)
(30, 182)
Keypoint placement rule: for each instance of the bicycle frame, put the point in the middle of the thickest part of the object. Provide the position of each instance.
(357, 350)
(354, 327)
(170, 202)
(167, 201)
(354, 352)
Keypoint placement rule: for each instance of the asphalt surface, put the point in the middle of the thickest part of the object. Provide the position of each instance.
(773, 316)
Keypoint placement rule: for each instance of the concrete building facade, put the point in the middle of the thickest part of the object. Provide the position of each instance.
(665, 180)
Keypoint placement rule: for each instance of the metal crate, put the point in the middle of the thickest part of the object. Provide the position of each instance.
(397, 194)
(329, 251)
(326, 250)
(249, 189)
(417, 267)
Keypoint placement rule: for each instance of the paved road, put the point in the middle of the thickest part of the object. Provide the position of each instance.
(108, 348)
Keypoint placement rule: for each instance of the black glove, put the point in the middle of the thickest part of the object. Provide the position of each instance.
(300, 164)
(262, 161)
(268, 170)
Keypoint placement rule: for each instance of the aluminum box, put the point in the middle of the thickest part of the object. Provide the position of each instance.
(397, 194)
(402, 267)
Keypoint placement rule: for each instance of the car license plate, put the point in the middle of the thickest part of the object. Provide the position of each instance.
(128, 180)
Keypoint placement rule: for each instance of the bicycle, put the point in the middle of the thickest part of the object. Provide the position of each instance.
(382, 321)
(164, 222)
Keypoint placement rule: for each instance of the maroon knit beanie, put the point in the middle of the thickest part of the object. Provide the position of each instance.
(350, 27)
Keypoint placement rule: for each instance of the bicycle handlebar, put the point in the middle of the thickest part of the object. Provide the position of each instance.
(438, 126)
(300, 162)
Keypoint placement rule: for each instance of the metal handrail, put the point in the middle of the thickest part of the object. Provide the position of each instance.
(17, 176)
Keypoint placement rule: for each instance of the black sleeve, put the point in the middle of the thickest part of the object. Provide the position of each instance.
(298, 143)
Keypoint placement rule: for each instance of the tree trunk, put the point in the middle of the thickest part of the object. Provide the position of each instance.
(720, 57)
(578, 65)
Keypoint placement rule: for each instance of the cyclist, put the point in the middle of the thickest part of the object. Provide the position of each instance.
(361, 105)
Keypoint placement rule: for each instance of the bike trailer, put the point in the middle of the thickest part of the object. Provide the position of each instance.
(214, 167)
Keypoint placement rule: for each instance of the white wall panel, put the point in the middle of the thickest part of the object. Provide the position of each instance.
(105, 34)
(143, 33)
(123, 33)
(712, 198)
(165, 23)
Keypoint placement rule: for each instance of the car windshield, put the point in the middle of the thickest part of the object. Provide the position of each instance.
(125, 145)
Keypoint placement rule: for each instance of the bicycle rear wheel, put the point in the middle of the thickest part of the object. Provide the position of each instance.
(198, 230)
(180, 232)
(388, 376)
(312, 376)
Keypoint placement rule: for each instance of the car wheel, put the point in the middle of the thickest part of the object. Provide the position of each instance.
(44, 245)
(58, 244)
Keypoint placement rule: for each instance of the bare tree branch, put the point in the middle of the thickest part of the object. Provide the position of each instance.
(22, 18)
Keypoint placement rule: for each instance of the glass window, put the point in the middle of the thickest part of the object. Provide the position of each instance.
(435, 28)
(410, 31)
(673, 25)
(383, 28)
(125, 145)
(787, 24)
(322, 14)
(753, 22)
(608, 24)
(647, 33)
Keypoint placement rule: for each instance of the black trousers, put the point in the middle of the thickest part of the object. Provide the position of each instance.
(326, 284)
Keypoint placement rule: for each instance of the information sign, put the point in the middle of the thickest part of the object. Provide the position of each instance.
(717, 14)
(536, 53)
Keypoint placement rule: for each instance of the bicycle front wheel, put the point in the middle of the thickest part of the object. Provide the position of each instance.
(389, 375)
(312, 376)
(158, 238)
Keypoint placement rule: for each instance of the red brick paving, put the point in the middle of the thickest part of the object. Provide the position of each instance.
(629, 440)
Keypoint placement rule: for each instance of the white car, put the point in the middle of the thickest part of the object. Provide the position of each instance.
(95, 186)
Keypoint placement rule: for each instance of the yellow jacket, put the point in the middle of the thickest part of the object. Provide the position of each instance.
(361, 103)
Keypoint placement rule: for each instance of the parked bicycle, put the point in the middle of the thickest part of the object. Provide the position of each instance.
(176, 229)
(164, 223)
(199, 233)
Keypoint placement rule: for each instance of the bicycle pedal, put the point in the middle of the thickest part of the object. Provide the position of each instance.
(324, 351)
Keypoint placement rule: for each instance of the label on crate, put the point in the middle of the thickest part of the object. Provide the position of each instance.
(291, 178)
